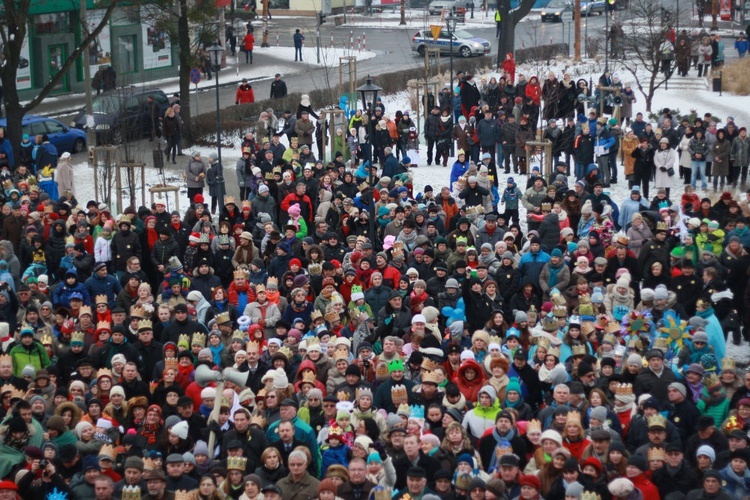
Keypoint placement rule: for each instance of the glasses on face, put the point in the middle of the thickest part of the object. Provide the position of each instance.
(325, 405)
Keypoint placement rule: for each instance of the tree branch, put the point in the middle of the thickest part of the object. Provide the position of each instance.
(70, 61)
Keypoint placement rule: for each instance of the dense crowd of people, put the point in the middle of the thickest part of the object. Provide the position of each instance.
(507, 334)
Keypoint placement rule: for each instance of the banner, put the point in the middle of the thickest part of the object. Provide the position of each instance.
(100, 52)
(157, 51)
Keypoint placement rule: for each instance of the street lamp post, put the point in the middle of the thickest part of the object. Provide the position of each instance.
(369, 95)
(450, 25)
(217, 52)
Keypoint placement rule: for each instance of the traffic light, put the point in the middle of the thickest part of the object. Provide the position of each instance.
(321, 18)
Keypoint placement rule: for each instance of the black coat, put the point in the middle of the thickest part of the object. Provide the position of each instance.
(402, 465)
(683, 480)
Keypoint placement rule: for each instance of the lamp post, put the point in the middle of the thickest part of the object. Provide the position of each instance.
(217, 52)
(450, 25)
(368, 93)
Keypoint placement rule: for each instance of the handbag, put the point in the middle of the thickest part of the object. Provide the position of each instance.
(670, 172)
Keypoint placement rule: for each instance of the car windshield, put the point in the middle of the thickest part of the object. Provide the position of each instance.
(105, 104)
(463, 34)
(557, 4)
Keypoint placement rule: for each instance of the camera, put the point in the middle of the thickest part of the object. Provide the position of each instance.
(43, 463)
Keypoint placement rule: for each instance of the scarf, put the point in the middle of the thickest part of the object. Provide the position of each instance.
(553, 272)
(150, 431)
(216, 352)
(696, 389)
(503, 442)
(509, 404)
(705, 314)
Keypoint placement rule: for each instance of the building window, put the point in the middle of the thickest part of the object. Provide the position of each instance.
(51, 24)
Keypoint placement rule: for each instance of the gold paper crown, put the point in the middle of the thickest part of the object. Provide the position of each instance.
(272, 280)
(246, 204)
(16, 393)
(286, 352)
(588, 495)
(657, 454)
(315, 315)
(624, 389)
(342, 395)
(712, 382)
(47, 339)
(579, 350)
(227, 201)
(661, 226)
(560, 311)
(430, 376)
(222, 318)
(131, 493)
(103, 325)
(533, 425)
(104, 372)
(332, 316)
(661, 343)
(657, 421)
(704, 304)
(543, 343)
(108, 451)
(239, 273)
(199, 338)
(382, 493)
(6, 358)
(171, 363)
(399, 395)
(253, 346)
(137, 312)
(608, 337)
(727, 364)
(76, 337)
(312, 341)
(101, 299)
(183, 339)
(187, 495)
(494, 339)
(381, 371)
(546, 207)
(238, 334)
(554, 351)
(308, 377)
(614, 328)
(85, 310)
(145, 324)
(150, 464)
(6, 388)
(236, 463)
(573, 417)
(429, 365)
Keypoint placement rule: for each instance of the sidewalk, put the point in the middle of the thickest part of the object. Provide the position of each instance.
(266, 63)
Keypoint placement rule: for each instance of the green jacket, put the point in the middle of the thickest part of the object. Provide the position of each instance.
(35, 355)
(718, 411)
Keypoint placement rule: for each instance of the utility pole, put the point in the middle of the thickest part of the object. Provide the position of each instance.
(90, 132)
(577, 21)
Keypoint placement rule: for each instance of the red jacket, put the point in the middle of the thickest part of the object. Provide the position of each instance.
(245, 94)
(249, 41)
(470, 388)
(648, 488)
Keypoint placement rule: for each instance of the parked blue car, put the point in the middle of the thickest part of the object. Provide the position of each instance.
(65, 139)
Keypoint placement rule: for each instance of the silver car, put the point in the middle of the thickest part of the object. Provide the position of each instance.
(437, 6)
(464, 43)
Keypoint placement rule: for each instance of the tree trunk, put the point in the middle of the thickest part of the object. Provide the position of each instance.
(507, 41)
(185, 63)
(403, 13)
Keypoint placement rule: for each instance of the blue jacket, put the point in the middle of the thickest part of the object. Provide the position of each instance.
(604, 138)
(391, 166)
(61, 297)
(741, 45)
(109, 286)
(630, 207)
(531, 265)
(338, 455)
(743, 235)
(458, 170)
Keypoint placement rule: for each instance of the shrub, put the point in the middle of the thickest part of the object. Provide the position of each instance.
(735, 78)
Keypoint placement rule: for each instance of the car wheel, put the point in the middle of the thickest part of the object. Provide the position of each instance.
(465, 52)
(79, 146)
(420, 50)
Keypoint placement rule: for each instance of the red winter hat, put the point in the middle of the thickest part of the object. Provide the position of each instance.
(295, 261)
(198, 198)
(529, 480)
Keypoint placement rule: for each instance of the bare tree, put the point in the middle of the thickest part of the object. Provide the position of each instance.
(643, 36)
(509, 19)
(14, 20)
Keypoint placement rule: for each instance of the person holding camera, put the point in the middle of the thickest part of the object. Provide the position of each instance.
(42, 479)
